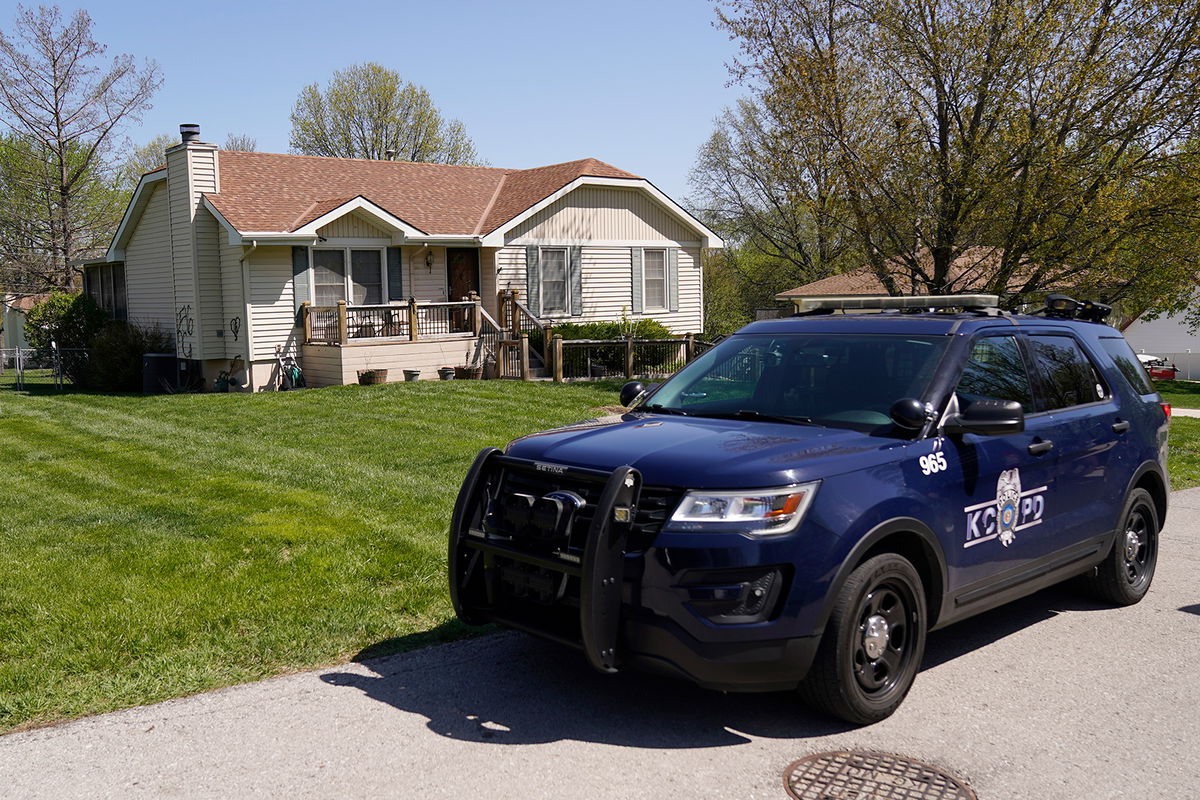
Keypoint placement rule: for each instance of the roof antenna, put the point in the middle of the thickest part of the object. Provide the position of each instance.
(389, 155)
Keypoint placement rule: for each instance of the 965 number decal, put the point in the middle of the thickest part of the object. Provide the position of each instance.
(934, 462)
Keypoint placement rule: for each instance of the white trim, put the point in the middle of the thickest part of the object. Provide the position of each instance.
(666, 279)
(652, 243)
(360, 203)
(707, 237)
(235, 238)
(133, 212)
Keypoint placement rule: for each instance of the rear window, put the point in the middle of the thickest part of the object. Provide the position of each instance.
(1068, 376)
(1122, 355)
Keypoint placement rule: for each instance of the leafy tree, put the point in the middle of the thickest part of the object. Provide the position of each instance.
(64, 105)
(1052, 132)
(368, 111)
(146, 158)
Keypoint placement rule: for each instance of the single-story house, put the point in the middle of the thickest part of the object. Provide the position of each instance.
(12, 319)
(350, 264)
(1171, 338)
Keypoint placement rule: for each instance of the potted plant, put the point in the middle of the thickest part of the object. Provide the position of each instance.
(468, 372)
(412, 374)
(446, 373)
(371, 377)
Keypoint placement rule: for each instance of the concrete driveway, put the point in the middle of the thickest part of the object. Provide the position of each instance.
(1050, 698)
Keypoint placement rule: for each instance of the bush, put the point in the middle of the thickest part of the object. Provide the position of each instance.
(70, 320)
(640, 329)
(116, 355)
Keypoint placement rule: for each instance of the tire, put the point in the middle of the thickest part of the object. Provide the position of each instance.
(1125, 574)
(844, 679)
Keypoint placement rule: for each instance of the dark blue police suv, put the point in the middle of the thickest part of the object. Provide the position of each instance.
(798, 506)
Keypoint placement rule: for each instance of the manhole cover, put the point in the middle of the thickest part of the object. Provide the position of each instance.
(863, 775)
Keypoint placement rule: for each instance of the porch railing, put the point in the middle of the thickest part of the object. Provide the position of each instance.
(582, 359)
(344, 323)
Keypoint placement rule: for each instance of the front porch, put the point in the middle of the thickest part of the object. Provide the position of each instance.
(340, 341)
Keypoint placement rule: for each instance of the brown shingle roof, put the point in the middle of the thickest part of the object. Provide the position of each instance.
(271, 192)
(968, 272)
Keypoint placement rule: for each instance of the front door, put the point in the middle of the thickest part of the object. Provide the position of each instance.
(462, 272)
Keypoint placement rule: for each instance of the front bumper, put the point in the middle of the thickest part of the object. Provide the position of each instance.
(596, 583)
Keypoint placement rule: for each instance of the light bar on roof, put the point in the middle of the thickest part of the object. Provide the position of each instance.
(852, 302)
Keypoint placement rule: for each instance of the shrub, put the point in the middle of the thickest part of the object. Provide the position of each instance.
(116, 355)
(70, 320)
(612, 359)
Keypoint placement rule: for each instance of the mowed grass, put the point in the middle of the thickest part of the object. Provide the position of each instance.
(1181, 394)
(152, 547)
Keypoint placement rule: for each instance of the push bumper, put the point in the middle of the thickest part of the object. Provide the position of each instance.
(572, 581)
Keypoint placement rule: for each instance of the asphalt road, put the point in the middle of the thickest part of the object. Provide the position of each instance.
(1050, 698)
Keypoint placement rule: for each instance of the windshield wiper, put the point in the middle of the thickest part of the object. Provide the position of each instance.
(659, 408)
(749, 413)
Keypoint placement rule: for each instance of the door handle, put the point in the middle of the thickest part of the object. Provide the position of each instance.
(1037, 448)
(1120, 426)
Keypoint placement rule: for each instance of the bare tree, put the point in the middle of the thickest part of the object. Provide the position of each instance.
(1051, 133)
(65, 103)
(241, 141)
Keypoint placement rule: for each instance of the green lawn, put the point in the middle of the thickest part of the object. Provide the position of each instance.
(152, 547)
(1181, 394)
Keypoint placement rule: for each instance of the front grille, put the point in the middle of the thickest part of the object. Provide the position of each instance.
(654, 505)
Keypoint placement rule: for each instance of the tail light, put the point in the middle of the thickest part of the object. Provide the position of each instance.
(1166, 407)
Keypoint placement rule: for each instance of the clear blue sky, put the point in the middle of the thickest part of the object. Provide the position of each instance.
(636, 83)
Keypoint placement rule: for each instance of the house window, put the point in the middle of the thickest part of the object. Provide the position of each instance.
(654, 278)
(366, 277)
(106, 285)
(362, 284)
(554, 281)
(329, 276)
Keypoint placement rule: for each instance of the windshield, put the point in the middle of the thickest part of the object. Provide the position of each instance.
(839, 380)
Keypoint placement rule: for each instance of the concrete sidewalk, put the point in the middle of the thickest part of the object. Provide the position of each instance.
(1050, 698)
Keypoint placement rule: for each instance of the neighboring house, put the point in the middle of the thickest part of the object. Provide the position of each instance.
(241, 255)
(1170, 338)
(12, 319)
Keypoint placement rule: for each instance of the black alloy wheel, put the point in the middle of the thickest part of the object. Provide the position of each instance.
(1124, 576)
(873, 644)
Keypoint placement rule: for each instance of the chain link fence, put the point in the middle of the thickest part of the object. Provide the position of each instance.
(28, 368)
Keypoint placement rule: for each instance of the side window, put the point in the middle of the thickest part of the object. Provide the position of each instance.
(1122, 355)
(1068, 375)
(996, 370)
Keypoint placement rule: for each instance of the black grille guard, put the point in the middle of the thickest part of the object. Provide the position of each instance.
(600, 571)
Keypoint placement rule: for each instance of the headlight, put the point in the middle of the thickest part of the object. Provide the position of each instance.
(760, 511)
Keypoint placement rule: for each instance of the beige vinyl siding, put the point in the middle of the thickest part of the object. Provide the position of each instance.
(427, 284)
(191, 171)
(608, 286)
(487, 279)
(352, 226)
(330, 365)
(272, 312)
(149, 287)
(232, 300)
(604, 214)
(210, 316)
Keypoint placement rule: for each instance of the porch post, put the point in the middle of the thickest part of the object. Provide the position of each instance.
(306, 310)
(557, 357)
(414, 322)
(690, 353)
(512, 313)
(343, 326)
(628, 358)
(524, 356)
(476, 314)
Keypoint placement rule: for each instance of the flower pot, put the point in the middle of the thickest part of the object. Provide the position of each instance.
(468, 373)
(446, 373)
(411, 374)
(371, 377)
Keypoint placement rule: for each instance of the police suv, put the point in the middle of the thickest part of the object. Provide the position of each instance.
(798, 506)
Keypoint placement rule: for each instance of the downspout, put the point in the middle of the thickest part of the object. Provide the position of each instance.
(247, 312)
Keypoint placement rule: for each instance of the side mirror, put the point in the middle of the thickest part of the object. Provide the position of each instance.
(630, 392)
(987, 417)
(908, 412)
